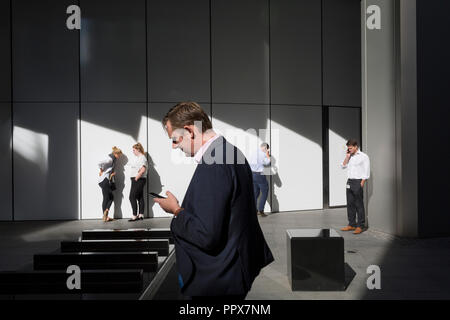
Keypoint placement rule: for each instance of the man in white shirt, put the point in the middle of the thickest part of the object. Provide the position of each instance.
(257, 161)
(357, 164)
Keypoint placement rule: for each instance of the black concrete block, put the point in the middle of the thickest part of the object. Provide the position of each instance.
(315, 260)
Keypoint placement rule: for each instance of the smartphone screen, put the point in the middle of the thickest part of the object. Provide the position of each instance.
(155, 195)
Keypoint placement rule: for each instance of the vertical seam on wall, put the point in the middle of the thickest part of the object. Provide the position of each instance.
(270, 108)
(146, 97)
(325, 171)
(398, 198)
(325, 160)
(12, 110)
(365, 77)
(210, 63)
(366, 110)
(419, 111)
(80, 203)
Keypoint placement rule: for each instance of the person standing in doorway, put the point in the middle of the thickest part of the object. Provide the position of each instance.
(139, 167)
(257, 161)
(105, 178)
(357, 164)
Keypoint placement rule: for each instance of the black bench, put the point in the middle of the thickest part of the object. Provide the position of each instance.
(148, 261)
(54, 282)
(116, 234)
(161, 246)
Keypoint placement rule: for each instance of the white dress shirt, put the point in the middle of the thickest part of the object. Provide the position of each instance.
(107, 165)
(136, 164)
(358, 166)
(258, 160)
(199, 154)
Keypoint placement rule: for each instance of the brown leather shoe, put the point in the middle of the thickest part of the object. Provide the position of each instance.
(357, 231)
(348, 228)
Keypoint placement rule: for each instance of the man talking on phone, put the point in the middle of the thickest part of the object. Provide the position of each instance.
(219, 245)
(357, 164)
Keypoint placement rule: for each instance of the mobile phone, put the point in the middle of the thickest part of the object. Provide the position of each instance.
(155, 195)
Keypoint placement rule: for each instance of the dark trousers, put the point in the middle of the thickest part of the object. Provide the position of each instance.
(355, 203)
(137, 195)
(108, 196)
(260, 185)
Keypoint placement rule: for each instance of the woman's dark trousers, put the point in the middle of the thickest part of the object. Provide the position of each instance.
(137, 195)
(108, 196)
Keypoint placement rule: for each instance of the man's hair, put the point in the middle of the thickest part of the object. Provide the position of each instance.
(265, 145)
(352, 142)
(185, 114)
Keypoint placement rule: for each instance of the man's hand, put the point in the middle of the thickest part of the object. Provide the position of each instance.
(347, 159)
(362, 183)
(113, 174)
(100, 173)
(169, 205)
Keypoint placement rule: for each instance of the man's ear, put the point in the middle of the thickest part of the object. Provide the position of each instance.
(190, 130)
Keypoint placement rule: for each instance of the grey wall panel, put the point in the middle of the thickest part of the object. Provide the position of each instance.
(112, 50)
(169, 170)
(246, 127)
(378, 116)
(124, 125)
(296, 131)
(341, 52)
(45, 52)
(240, 51)
(295, 54)
(406, 121)
(344, 124)
(5, 52)
(46, 161)
(5, 160)
(433, 115)
(178, 50)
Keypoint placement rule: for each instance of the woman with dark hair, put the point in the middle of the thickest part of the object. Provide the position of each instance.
(104, 181)
(138, 173)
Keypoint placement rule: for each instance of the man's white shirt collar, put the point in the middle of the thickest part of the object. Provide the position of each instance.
(199, 154)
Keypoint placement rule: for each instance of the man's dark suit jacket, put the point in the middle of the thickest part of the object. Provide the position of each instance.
(219, 245)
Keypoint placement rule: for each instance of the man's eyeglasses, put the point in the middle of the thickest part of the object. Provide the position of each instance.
(177, 140)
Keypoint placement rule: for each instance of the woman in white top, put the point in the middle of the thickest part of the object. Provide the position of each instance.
(138, 178)
(104, 180)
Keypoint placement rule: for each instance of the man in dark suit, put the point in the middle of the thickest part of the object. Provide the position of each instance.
(219, 245)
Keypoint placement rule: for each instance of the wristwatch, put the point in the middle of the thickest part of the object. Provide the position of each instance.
(177, 211)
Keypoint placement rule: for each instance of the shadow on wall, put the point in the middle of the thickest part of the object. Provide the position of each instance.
(153, 183)
(274, 181)
(368, 193)
(45, 161)
(120, 185)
